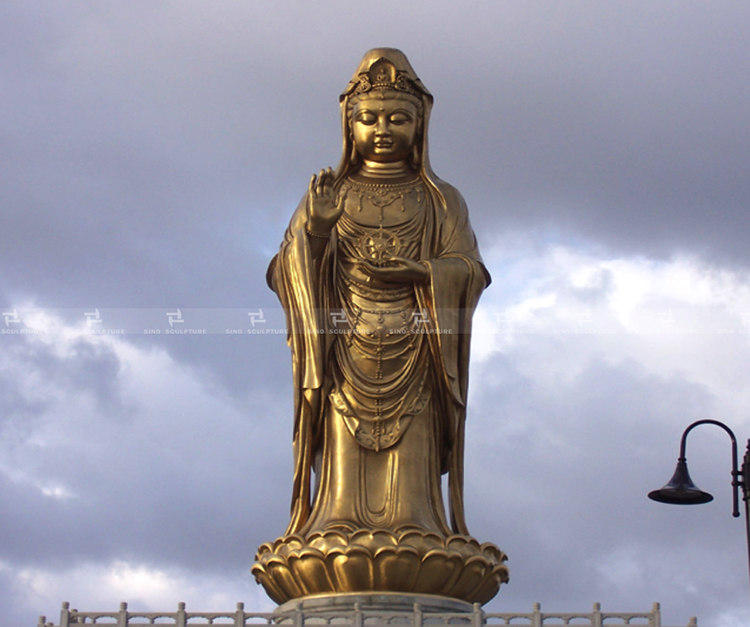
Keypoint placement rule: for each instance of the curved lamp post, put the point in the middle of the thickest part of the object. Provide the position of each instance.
(682, 491)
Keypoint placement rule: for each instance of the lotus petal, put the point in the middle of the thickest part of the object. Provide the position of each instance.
(262, 578)
(488, 589)
(278, 569)
(326, 540)
(396, 568)
(287, 544)
(487, 548)
(373, 540)
(423, 542)
(351, 568)
(465, 545)
(309, 568)
(472, 576)
(438, 571)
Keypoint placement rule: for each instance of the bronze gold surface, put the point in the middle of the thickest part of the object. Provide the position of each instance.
(379, 274)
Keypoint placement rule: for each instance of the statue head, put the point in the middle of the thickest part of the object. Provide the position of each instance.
(385, 87)
(384, 126)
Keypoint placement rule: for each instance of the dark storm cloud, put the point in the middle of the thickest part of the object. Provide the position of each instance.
(142, 141)
(142, 134)
(623, 122)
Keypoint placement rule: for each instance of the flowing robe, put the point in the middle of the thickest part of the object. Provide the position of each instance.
(379, 452)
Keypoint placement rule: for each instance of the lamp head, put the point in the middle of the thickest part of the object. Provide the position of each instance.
(681, 490)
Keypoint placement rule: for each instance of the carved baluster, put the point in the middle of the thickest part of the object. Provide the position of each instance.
(655, 615)
(65, 614)
(536, 616)
(181, 619)
(122, 615)
(417, 615)
(596, 617)
(477, 619)
(239, 615)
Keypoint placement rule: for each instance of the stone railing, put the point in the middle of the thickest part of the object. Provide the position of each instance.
(357, 617)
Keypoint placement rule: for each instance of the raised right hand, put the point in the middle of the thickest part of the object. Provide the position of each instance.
(324, 212)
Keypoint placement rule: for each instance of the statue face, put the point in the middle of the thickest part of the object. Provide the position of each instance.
(384, 130)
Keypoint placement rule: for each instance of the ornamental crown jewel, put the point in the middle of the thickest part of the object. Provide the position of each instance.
(384, 75)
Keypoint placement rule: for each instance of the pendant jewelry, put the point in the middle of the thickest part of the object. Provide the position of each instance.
(380, 246)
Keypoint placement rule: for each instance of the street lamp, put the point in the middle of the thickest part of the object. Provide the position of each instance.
(682, 491)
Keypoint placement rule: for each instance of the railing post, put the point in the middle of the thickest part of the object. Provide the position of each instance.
(299, 618)
(65, 614)
(417, 615)
(239, 615)
(357, 615)
(122, 615)
(181, 618)
(477, 617)
(596, 615)
(693, 622)
(536, 616)
(41, 621)
(655, 620)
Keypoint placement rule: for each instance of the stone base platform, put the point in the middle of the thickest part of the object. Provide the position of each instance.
(375, 608)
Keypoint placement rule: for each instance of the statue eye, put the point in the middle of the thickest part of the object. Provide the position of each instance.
(400, 118)
(366, 117)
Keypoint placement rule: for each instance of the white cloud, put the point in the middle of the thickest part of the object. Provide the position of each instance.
(680, 316)
(160, 449)
(101, 587)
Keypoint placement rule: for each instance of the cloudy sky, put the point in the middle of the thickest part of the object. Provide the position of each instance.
(151, 154)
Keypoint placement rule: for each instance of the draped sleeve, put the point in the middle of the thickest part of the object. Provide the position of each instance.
(304, 285)
(457, 278)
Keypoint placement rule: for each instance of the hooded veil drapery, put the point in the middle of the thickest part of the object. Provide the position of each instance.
(309, 289)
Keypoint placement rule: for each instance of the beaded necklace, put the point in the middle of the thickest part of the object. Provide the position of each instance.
(380, 245)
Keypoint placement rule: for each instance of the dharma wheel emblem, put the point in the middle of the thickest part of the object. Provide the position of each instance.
(380, 246)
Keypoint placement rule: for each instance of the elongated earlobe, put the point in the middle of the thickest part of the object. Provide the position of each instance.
(414, 157)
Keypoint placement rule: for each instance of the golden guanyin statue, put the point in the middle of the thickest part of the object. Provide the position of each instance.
(379, 274)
